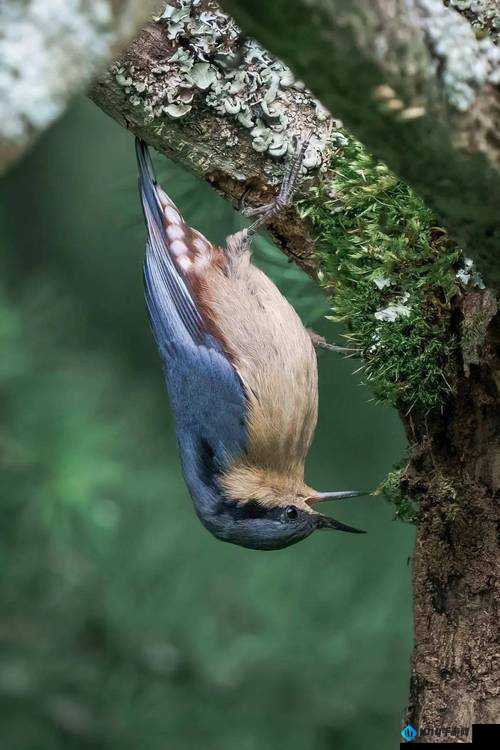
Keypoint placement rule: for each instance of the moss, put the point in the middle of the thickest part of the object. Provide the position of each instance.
(391, 273)
(449, 496)
(396, 488)
(393, 490)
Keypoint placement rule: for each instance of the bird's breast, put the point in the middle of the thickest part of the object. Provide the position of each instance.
(274, 356)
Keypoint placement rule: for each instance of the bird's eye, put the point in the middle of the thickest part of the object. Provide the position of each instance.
(291, 513)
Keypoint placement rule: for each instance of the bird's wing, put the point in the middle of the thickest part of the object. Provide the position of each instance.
(207, 395)
(168, 298)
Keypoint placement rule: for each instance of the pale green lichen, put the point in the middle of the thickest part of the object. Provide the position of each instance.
(467, 274)
(233, 76)
(483, 15)
(466, 63)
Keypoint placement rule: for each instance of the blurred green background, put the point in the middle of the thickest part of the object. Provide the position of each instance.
(124, 624)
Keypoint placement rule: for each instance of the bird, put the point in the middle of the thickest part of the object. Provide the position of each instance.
(241, 374)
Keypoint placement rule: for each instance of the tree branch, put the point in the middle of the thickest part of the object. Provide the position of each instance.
(48, 52)
(200, 92)
(414, 84)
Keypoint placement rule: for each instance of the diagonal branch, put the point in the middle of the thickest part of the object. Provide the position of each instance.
(200, 92)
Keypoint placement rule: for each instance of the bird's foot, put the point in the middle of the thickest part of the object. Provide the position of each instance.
(321, 343)
(285, 195)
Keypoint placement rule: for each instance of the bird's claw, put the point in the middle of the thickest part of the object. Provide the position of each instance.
(320, 342)
(285, 195)
(250, 211)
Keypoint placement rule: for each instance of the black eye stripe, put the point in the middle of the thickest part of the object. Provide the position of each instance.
(243, 510)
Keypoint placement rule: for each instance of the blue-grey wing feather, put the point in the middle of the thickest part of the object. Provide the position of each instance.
(210, 411)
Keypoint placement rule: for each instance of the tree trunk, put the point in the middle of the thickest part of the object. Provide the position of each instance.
(371, 243)
(454, 473)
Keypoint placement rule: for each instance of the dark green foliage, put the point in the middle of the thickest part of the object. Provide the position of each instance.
(371, 227)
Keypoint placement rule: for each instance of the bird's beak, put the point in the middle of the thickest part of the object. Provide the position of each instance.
(325, 522)
(319, 497)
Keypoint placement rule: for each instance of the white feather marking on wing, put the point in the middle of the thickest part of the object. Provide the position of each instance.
(172, 215)
(178, 247)
(184, 262)
(175, 232)
(200, 242)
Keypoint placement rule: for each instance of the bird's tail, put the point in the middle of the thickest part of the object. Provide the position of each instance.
(147, 183)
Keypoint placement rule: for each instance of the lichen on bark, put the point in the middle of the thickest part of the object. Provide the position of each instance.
(483, 16)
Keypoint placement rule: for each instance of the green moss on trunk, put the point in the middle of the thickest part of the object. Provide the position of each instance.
(392, 275)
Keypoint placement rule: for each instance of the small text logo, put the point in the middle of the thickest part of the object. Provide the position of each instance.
(408, 733)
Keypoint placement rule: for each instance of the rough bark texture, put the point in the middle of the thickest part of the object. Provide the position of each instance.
(483, 15)
(224, 133)
(414, 84)
(242, 152)
(50, 49)
(454, 474)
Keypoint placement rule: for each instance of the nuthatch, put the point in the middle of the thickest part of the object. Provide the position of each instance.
(241, 373)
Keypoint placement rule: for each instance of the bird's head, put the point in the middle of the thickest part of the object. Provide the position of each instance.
(266, 512)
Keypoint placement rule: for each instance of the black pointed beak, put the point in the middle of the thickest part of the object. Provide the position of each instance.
(325, 522)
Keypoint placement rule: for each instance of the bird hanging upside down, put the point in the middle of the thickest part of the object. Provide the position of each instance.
(240, 370)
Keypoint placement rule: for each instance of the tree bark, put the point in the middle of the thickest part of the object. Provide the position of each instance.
(244, 154)
(454, 475)
(48, 51)
(413, 83)
(217, 123)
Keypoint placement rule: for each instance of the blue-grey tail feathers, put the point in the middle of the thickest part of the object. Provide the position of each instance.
(166, 289)
(144, 160)
(147, 182)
